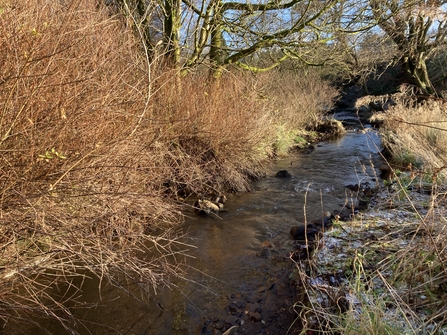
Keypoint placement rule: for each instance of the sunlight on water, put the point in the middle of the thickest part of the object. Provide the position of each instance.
(229, 255)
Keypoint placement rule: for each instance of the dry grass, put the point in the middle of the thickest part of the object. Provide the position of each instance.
(392, 282)
(218, 133)
(300, 101)
(99, 143)
(387, 269)
(417, 133)
(76, 198)
(301, 97)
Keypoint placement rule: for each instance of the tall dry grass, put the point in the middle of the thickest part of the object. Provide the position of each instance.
(301, 97)
(100, 143)
(392, 263)
(416, 133)
(217, 133)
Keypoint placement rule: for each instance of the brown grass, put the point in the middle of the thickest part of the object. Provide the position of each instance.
(99, 145)
(217, 133)
(417, 133)
(301, 97)
(395, 278)
(392, 282)
(76, 195)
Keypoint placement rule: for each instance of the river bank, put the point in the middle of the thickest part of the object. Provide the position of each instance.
(243, 273)
(384, 270)
(260, 265)
(237, 269)
(381, 270)
(102, 155)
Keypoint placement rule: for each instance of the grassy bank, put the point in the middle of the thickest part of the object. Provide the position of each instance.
(100, 145)
(385, 271)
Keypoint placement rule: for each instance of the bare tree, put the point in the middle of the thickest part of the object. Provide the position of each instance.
(418, 28)
(171, 32)
(229, 32)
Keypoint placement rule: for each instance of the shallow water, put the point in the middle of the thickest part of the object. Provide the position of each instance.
(229, 257)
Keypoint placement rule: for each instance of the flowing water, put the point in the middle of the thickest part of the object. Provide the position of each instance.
(243, 254)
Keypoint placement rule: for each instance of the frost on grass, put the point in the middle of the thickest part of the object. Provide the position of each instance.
(382, 272)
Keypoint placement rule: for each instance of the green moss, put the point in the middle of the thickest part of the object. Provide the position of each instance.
(287, 139)
(299, 140)
(406, 158)
(284, 140)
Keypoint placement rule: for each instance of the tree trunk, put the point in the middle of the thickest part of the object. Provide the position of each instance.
(416, 68)
(217, 53)
(145, 24)
(172, 31)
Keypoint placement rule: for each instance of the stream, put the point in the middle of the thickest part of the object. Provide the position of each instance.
(239, 270)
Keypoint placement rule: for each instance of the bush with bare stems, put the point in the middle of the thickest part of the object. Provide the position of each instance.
(77, 195)
(98, 144)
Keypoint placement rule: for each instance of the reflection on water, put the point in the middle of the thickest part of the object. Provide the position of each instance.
(227, 257)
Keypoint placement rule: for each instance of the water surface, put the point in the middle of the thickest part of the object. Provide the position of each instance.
(230, 257)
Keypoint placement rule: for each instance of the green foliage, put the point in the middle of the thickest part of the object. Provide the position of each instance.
(281, 145)
(284, 140)
(287, 139)
(406, 158)
(51, 154)
(370, 321)
(299, 140)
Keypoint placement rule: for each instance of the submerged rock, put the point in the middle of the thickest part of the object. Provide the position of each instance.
(311, 231)
(303, 232)
(283, 174)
